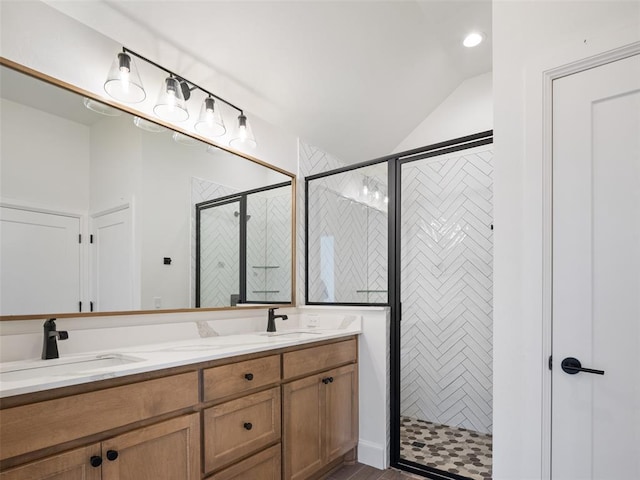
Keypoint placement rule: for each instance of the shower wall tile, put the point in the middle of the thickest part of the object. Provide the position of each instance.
(447, 257)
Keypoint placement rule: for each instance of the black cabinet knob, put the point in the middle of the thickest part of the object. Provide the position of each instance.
(95, 461)
(325, 380)
(330, 379)
(249, 376)
(248, 426)
(112, 455)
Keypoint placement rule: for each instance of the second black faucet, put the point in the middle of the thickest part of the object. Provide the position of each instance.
(271, 324)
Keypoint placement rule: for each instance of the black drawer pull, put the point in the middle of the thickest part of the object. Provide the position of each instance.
(248, 426)
(112, 455)
(95, 461)
(248, 376)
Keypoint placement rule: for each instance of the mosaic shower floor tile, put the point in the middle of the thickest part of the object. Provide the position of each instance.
(451, 449)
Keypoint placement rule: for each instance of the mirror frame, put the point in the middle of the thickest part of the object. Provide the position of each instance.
(80, 91)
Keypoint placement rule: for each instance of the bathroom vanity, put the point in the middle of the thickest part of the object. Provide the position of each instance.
(287, 409)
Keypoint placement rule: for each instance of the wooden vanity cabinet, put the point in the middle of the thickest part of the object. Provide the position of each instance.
(320, 417)
(72, 465)
(168, 450)
(286, 414)
(164, 451)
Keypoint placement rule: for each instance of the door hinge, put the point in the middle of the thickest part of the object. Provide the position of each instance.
(79, 306)
(550, 362)
(79, 238)
(91, 238)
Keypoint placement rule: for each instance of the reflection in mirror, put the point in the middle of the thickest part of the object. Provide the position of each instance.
(243, 247)
(98, 209)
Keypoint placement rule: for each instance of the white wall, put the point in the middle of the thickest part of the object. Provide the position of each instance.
(529, 38)
(468, 110)
(40, 153)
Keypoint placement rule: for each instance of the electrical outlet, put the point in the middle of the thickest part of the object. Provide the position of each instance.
(157, 302)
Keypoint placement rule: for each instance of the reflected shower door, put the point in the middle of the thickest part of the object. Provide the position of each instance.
(446, 329)
(218, 254)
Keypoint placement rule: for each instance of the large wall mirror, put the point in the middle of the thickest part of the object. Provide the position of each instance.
(102, 211)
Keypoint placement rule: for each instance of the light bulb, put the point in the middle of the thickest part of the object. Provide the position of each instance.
(386, 199)
(376, 194)
(365, 190)
(123, 81)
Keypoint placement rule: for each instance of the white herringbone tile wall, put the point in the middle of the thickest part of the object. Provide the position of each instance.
(447, 295)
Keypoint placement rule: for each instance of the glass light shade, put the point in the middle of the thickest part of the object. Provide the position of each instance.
(101, 108)
(210, 123)
(171, 104)
(123, 81)
(243, 136)
(145, 124)
(185, 139)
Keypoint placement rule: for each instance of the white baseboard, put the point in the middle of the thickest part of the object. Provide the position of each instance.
(372, 454)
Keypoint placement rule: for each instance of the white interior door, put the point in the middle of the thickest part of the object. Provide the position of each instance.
(112, 261)
(39, 261)
(596, 273)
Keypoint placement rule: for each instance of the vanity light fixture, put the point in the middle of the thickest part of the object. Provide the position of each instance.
(171, 104)
(210, 123)
(123, 81)
(124, 84)
(473, 39)
(244, 134)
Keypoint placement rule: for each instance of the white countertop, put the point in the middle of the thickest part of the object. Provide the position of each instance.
(28, 376)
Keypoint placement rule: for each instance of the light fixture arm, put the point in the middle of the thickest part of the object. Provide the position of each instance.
(192, 86)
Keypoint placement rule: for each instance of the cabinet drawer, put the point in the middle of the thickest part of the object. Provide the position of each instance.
(238, 428)
(39, 425)
(261, 466)
(220, 382)
(315, 359)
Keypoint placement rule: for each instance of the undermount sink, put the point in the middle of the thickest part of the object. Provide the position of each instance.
(290, 333)
(63, 367)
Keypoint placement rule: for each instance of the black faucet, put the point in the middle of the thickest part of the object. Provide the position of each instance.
(271, 325)
(49, 344)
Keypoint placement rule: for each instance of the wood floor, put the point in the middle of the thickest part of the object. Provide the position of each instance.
(365, 472)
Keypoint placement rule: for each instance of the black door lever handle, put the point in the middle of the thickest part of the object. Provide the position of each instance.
(572, 366)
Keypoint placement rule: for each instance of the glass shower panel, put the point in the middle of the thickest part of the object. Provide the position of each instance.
(446, 330)
(269, 246)
(347, 236)
(218, 280)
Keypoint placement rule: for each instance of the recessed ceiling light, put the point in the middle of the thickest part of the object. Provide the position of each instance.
(473, 39)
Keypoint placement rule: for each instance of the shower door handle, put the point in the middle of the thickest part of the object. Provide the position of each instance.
(572, 366)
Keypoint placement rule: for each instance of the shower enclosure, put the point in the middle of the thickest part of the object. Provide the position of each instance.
(444, 260)
(438, 250)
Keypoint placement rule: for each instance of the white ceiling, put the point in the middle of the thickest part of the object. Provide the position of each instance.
(352, 77)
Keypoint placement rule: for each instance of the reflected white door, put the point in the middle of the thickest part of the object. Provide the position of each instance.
(596, 272)
(112, 261)
(39, 261)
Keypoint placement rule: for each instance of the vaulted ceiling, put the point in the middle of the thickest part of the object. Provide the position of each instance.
(352, 77)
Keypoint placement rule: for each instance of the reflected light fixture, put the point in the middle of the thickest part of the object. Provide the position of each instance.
(210, 123)
(171, 104)
(473, 39)
(123, 81)
(145, 124)
(184, 139)
(244, 134)
(101, 108)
